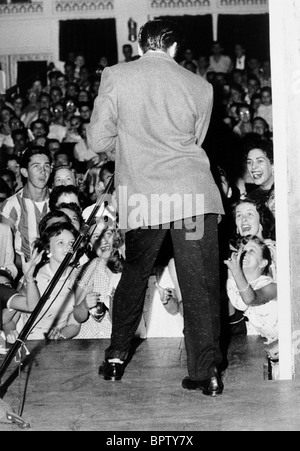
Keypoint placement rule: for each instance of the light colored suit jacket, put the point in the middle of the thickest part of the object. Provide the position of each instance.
(156, 115)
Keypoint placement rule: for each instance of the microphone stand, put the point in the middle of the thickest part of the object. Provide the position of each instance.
(44, 298)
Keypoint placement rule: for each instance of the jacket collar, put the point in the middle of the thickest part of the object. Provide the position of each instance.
(158, 54)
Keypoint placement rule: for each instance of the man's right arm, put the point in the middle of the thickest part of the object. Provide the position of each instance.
(102, 131)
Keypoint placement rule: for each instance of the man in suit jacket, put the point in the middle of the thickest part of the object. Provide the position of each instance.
(155, 114)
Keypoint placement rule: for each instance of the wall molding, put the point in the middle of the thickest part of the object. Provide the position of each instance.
(212, 5)
(71, 6)
(170, 4)
(22, 8)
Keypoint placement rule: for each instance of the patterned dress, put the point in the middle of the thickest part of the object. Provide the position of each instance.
(95, 277)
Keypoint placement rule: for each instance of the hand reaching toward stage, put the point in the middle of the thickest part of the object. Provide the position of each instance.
(29, 267)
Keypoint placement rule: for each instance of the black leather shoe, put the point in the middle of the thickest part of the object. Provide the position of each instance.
(112, 371)
(209, 387)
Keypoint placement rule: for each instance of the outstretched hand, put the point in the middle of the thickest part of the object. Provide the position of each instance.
(166, 294)
(234, 264)
(28, 267)
(55, 334)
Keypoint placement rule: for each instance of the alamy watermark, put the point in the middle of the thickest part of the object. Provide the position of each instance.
(161, 211)
(2, 82)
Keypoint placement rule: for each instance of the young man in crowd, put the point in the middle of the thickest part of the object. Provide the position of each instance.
(24, 210)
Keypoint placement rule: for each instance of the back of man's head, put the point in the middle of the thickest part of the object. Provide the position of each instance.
(159, 35)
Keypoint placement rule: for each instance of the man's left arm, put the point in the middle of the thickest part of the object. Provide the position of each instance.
(205, 102)
(102, 131)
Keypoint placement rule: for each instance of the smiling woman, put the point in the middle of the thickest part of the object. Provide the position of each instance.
(260, 165)
(253, 218)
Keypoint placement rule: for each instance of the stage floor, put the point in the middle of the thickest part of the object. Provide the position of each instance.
(65, 393)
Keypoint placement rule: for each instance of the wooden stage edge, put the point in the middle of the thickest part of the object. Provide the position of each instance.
(64, 392)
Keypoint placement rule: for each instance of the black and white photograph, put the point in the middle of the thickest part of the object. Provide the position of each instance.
(149, 218)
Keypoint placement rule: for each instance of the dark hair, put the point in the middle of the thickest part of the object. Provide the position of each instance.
(109, 166)
(255, 97)
(8, 172)
(62, 151)
(58, 191)
(266, 253)
(4, 188)
(259, 118)
(266, 89)
(43, 109)
(30, 152)
(85, 104)
(253, 77)
(18, 97)
(44, 94)
(52, 214)
(13, 118)
(43, 243)
(13, 158)
(74, 116)
(255, 142)
(8, 108)
(7, 274)
(70, 64)
(190, 64)
(53, 74)
(267, 219)
(73, 83)
(74, 207)
(159, 35)
(51, 141)
(237, 87)
(55, 88)
(20, 131)
(244, 106)
(40, 121)
(69, 99)
(82, 90)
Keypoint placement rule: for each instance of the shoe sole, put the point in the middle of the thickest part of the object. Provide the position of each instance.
(205, 392)
(112, 379)
(212, 394)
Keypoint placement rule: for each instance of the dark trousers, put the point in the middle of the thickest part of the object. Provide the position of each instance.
(197, 266)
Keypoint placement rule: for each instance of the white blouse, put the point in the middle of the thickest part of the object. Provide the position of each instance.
(264, 318)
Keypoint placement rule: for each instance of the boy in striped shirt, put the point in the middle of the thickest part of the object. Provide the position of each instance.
(24, 210)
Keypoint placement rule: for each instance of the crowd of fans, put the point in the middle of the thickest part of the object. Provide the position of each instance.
(50, 181)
